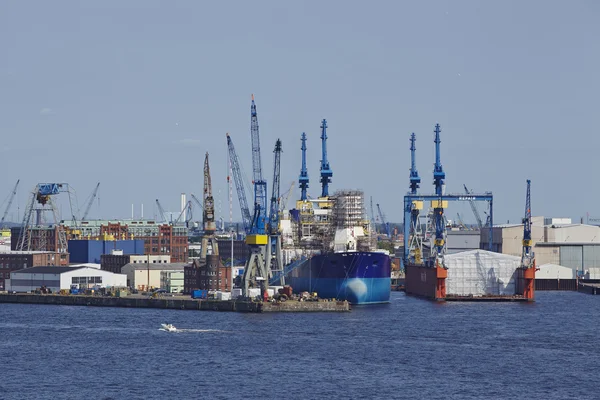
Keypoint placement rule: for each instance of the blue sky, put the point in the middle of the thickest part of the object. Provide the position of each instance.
(133, 93)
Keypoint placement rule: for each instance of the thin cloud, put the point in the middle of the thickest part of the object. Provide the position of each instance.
(46, 111)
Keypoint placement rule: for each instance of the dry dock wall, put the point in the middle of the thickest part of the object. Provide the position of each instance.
(177, 304)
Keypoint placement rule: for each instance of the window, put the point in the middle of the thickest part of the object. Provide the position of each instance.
(74, 280)
(220, 273)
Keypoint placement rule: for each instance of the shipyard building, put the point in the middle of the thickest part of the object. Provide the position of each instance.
(63, 278)
(555, 241)
(16, 260)
(144, 276)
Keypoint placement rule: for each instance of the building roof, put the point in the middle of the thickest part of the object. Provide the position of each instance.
(48, 270)
(157, 266)
(27, 252)
(556, 244)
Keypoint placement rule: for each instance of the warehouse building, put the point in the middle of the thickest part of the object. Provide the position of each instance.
(91, 251)
(159, 238)
(144, 276)
(555, 241)
(57, 278)
(212, 275)
(115, 261)
(15, 260)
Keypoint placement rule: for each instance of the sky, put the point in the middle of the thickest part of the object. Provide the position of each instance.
(132, 94)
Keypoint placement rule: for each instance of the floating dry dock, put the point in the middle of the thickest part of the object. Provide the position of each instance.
(178, 304)
(476, 275)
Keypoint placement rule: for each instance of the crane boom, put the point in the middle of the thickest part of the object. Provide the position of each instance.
(239, 185)
(275, 193)
(161, 211)
(10, 201)
(474, 208)
(260, 185)
(527, 256)
(385, 224)
(209, 202)
(89, 204)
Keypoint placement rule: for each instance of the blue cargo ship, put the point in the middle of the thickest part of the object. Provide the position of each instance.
(361, 277)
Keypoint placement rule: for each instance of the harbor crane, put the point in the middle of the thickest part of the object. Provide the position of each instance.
(42, 199)
(526, 273)
(208, 216)
(10, 201)
(256, 270)
(90, 202)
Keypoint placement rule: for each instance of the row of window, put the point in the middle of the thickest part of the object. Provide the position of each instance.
(86, 279)
(11, 265)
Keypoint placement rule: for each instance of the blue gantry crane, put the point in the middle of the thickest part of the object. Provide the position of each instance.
(256, 270)
(303, 179)
(326, 172)
(439, 177)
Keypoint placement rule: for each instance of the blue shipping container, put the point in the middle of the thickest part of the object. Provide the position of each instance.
(199, 294)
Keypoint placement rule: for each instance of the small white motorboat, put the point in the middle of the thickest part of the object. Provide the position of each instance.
(168, 328)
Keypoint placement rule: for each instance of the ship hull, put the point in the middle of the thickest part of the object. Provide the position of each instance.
(359, 277)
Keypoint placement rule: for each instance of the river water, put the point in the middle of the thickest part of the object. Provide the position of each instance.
(410, 348)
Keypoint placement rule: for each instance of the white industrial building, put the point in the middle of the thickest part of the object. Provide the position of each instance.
(553, 271)
(555, 241)
(57, 278)
(481, 272)
(144, 276)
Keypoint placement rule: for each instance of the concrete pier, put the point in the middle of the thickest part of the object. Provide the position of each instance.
(176, 303)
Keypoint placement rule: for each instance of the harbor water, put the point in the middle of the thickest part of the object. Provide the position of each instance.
(409, 348)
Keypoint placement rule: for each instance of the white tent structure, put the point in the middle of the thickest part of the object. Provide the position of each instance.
(481, 272)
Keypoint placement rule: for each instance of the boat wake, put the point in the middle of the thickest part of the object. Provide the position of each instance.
(171, 328)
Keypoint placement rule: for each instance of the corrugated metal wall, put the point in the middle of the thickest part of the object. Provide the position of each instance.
(571, 256)
(591, 256)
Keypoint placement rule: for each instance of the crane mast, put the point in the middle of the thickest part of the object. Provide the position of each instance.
(527, 255)
(275, 193)
(415, 180)
(438, 211)
(274, 256)
(326, 172)
(260, 185)
(208, 216)
(303, 179)
(239, 185)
